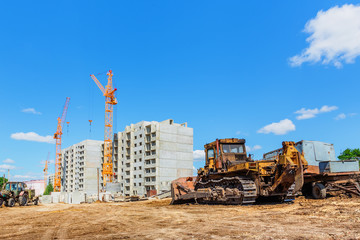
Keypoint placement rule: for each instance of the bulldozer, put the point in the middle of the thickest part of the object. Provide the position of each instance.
(230, 176)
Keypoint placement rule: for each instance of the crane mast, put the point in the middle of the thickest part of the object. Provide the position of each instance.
(110, 101)
(57, 137)
(46, 169)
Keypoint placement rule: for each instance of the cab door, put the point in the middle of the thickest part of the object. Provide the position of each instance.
(210, 158)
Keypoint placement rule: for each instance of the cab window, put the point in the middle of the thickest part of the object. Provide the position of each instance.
(13, 187)
(210, 153)
(233, 148)
(20, 186)
(7, 187)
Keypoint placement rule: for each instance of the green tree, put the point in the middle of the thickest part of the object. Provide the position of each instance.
(49, 189)
(350, 154)
(2, 181)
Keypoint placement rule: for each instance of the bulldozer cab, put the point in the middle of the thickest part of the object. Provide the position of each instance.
(225, 152)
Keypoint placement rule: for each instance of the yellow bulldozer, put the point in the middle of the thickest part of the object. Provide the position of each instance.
(230, 176)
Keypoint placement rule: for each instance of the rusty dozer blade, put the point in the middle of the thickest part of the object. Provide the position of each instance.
(182, 190)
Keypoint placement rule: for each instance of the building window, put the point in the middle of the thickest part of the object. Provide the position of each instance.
(134, 160)
(140, 135)
(140, 151)
(135, 145)
(153, 152)
(135, 184)
(139, 175)
(140, 143)
(139, 167)
(139, 183)
(140, 159)
(134, 168)
(135, 152)
(135, 137)
(134, 176)
(153, 134)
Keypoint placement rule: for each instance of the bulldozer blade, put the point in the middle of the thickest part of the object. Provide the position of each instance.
(182, 190)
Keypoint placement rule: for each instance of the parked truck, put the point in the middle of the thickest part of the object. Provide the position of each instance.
(324, 173)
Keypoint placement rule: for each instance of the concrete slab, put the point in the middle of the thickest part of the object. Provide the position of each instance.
(46, 199)
(55, 197)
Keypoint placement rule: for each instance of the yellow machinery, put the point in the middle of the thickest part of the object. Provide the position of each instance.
(57, 137)
(232, 177)
(110, 101)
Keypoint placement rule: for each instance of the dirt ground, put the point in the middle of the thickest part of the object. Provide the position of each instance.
(333, 218)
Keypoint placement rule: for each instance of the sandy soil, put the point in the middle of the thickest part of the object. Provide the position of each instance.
(333, 218)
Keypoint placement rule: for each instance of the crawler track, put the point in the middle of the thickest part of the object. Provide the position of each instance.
(228, 190)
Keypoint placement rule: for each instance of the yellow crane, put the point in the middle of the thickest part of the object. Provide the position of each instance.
(110, 101)
(57, 136)
(46, 170)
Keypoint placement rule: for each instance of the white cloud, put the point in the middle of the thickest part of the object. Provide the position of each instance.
(31, 110)
(199, 155)
(343, 116)
(8, 160)
(256, 147)
(6, 166)
(32, 136)
(26, 177)
(311, 113)
(340, 116)
(279, 128)
(238, 133)
(334, 37)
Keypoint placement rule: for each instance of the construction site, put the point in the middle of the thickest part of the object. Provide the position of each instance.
(186, 120)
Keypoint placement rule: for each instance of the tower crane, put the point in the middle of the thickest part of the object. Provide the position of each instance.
(46, 169)
(110, 101)
(57, 136)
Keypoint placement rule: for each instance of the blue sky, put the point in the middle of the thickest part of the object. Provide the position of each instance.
(228, 68)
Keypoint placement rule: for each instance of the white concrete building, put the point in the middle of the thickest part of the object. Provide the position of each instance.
(50, 179)
(149, 155)
(79, 167)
